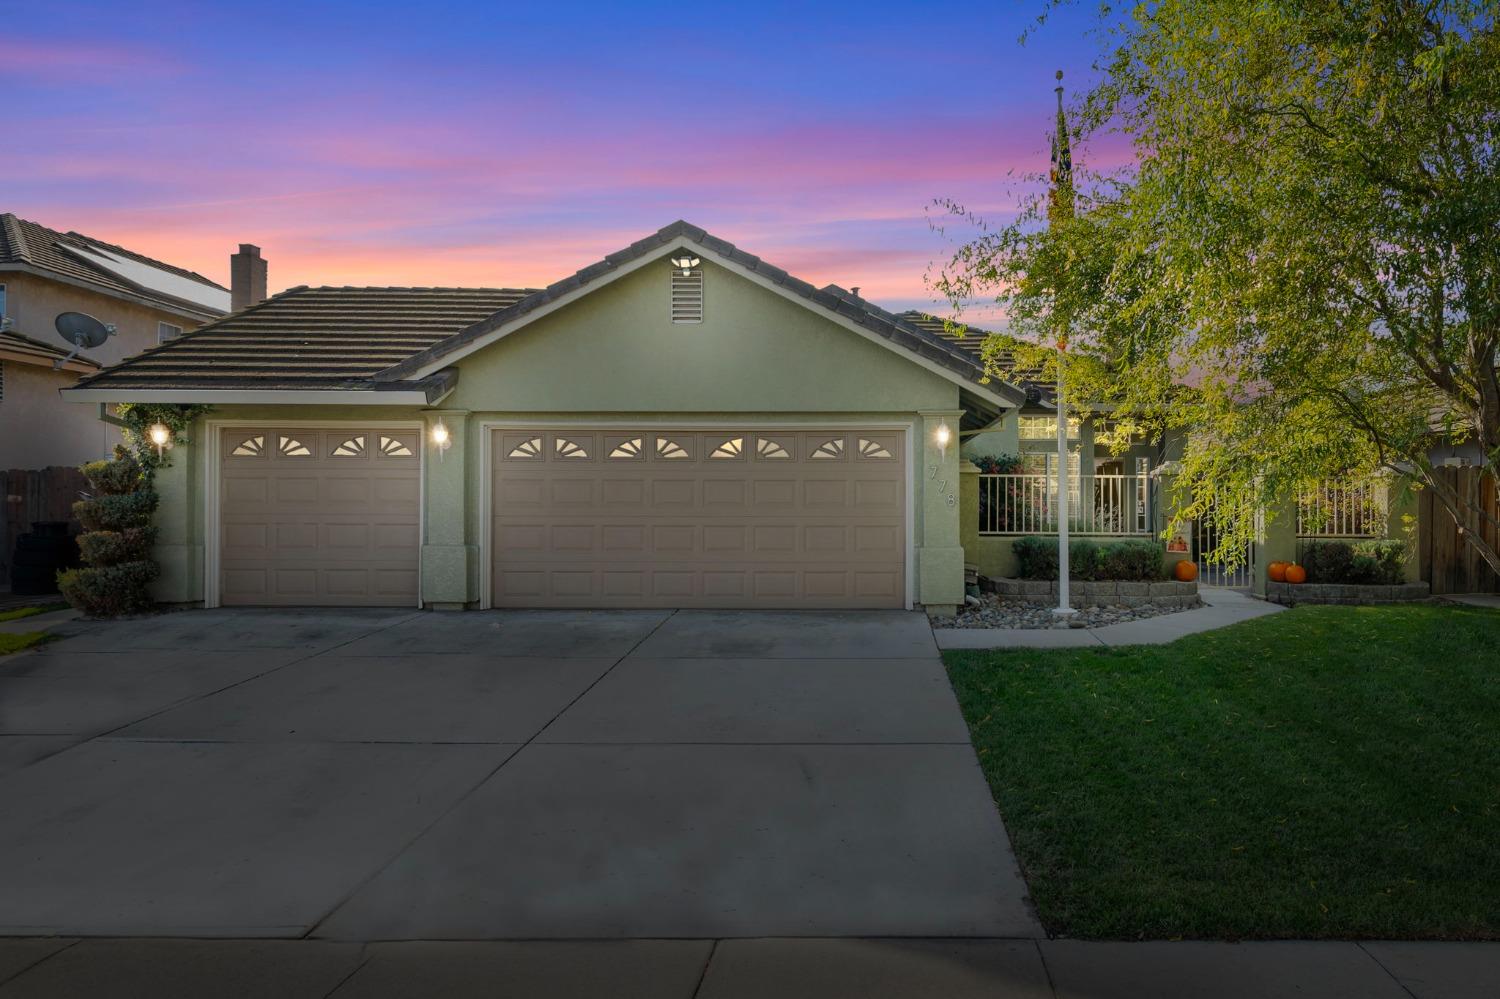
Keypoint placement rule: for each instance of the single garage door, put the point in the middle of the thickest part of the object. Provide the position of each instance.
(723, 518)
(319, 517)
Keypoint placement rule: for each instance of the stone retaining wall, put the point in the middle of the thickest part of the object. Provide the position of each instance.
(1291, 594)
(1169, 593)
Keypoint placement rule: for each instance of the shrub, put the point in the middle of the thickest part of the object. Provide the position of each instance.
(1363, 562)
(118, 576)
(1328, 561)
(997, 464)
(113, 547)
(110, 590)
(1132, 561)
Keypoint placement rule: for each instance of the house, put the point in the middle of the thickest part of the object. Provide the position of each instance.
(680, 424)
(44, 272)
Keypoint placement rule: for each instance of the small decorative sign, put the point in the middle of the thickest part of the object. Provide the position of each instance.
(1177, 544)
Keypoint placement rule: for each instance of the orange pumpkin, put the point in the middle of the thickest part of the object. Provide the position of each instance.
(1277, 572)
(1295, 574)
(1185, 571)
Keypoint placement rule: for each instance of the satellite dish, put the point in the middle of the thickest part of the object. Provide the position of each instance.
(82, 331)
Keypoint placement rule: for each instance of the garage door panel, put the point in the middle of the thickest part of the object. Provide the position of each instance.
(315, 517)
(711, 519)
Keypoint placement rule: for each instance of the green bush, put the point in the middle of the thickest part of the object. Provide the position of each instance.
(113, 547)
(109, 590)
(117, 542)
(115, 513)
(1132, 561)
(1364, 562)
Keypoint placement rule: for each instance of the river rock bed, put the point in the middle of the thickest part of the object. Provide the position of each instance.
(1001, 612)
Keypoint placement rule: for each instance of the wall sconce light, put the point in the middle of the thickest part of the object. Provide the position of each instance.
(161, 436)
(685, 262)
(441, 439)
(942, 435)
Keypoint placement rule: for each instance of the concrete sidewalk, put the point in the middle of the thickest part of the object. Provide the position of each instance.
(746, 969)
(1220, 608)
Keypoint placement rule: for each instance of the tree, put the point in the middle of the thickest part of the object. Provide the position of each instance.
(1300, 267)
(117, 540)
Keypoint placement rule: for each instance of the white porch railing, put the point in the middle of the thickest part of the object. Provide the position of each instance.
(1343, 510)
(1114, 505)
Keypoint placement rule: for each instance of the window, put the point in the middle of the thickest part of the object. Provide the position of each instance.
(687, 296)
(1038, 461)
(3, 313)
(166, 331)
(1044, 428)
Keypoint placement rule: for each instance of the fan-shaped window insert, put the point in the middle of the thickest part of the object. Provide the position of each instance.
(767, 448)
(569, 449)
(527, 449)
(829, 449)
(354, 447)
(872, 449)
(670, 449)
(294, 448)
(250, 447)
(732, 448)
(627, 449)
(392, 447)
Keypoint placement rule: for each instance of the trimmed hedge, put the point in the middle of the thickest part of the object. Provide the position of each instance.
(117, 546)
(109, 590)
(1367, 563)
(112, 547)
(1121, 561)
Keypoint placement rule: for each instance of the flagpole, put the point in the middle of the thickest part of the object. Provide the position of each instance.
(1062, 181)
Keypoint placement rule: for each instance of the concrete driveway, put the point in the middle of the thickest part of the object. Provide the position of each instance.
(402, 775)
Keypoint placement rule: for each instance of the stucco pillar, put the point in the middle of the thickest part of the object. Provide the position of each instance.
(177, 550)
(968, 508)
(1276, 541)
(940, 553)
(447, 557)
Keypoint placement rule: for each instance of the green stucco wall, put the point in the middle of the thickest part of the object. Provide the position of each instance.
(614, 355)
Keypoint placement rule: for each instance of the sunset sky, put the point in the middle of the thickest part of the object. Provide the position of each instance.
(489, 144)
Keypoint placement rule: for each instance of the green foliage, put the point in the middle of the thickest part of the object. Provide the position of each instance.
(1131, 560)
(997, 464)
(139, 416)
(111, 547)
(1299, 269)
(109, 590)
(116, 513)
(1364, 562)
(1323, 772)
(117, 540)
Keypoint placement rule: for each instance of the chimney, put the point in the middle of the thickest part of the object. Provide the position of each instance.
(247, 278)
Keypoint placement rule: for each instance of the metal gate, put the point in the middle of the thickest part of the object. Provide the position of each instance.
(1235, 570)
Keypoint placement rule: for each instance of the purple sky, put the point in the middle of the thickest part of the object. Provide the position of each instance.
(477, 144)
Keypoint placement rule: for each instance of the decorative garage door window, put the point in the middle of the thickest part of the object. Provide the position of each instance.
(529, 448)
(765, 447)
(351, 447)
(570, 448)
(395, 447)
(873, 449)
(250, 447)
(631, 447)
(829, 449)
(667, 448)
(293, 448)
(734, 447)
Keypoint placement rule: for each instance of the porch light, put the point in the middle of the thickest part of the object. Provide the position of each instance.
(440, 438)
(942, 435)
(685, 263)
(161, 436)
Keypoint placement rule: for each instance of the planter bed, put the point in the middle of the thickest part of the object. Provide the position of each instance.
(1011, 612)
(1345, 593)
(1167, 594)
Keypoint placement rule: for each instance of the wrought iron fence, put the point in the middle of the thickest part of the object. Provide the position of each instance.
(1342, 510)
(1112, 505)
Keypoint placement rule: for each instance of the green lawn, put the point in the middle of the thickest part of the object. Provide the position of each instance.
(15, 643)
(16, 613)
(1326, 772)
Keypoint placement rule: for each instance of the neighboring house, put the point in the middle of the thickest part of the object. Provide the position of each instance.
(680, 424)
(44, 272)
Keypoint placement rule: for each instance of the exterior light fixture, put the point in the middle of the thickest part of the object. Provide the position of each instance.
(161, 436)
(685, 262)
(440, 438)
(942, 436)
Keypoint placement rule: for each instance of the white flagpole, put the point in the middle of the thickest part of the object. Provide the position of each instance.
(1064, 608)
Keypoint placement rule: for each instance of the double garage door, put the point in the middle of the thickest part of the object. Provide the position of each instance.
(578, 517)
(675, 518)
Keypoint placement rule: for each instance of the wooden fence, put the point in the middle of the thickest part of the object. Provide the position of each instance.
(1448, 562)
(32, 495)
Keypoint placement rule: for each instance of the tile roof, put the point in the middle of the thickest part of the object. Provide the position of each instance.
(380, 338)
(32, 245)
(308, 338)
(970, 339)
(831, 298)
(18, 345)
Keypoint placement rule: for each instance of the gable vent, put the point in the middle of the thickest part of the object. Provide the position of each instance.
(687, 296)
